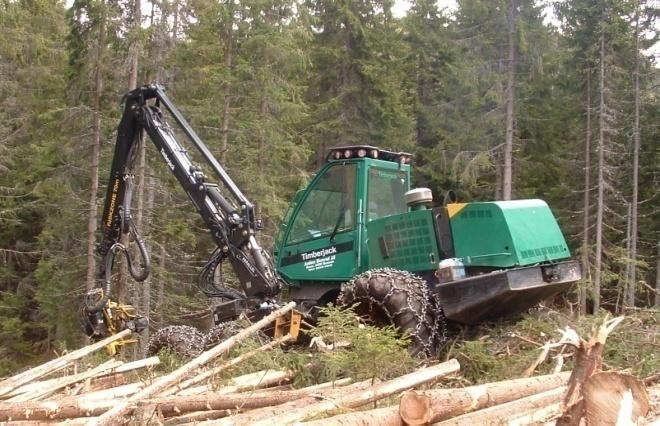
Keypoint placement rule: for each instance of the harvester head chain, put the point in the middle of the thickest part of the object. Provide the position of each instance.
(406, 302)
(183, 340)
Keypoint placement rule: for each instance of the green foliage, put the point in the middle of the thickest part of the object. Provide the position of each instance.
(505, 350)
(370, 352)
(288, 80)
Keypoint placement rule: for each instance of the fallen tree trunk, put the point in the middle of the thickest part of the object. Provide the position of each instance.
(356, 399)
(446, 403)
(215, 371)
(65, 381)
(117, 414)
(176, 405)
(536, 416)
(6, 386)
(499, 414)
(65, 408)
(197, 416)
(310, 397)
(260, 379)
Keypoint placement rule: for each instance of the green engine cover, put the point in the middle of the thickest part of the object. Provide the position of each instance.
(506, 233)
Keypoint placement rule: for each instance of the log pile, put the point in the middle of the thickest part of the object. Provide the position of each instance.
(130, 393)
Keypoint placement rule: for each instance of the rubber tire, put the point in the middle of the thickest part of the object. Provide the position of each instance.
(403, 300)
(184, 340)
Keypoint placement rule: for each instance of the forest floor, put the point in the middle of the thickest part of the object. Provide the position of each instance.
(341, 348)
(488, 352)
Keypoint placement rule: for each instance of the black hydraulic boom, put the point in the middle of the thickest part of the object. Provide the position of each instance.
(227, 213)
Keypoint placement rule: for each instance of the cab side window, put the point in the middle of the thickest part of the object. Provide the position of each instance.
(329, 206)
(386, 191)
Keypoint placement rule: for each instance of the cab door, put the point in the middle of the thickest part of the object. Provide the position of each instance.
(319, 242)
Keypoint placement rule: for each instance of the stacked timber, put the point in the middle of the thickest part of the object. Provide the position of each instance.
(121, 393)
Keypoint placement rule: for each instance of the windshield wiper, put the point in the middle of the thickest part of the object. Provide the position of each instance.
(339, 220)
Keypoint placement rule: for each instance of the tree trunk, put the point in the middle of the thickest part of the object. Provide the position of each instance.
(536, 416)
(95, 150)
(359, 398)
(216, 370)
(446, 403)
(657, 277)
(6, 386)
(247, 382)
(310, 397)
(160, 288)
(586, 264)
(34, 386)
(66, 408)
(134, 48)
(614, 398)
(65, 381)
(145, 294)
(174, 405)
(117, 414)
(588, 360)
(510, 105)
(228, 43)
(85, 405)
(500, 414)
(601, 179)
(626, 281)
(630, 302)
(197, 416)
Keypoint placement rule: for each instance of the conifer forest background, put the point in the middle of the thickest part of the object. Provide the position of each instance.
(496, 99)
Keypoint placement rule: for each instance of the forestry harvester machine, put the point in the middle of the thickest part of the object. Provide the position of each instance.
(357, 235)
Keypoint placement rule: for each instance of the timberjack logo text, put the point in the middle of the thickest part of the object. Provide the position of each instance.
(320, 253)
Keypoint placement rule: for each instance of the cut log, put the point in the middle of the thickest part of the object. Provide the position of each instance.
(216, 370)
(57, 364)
(499, 414)
(106, 382)
(415, 408)
(117, 414)
(89, 404)
(55, 409)
(536, 416)
(260, 379)
(356, 399)
(588, 360)
(197, 416)
(613, 398)
(147, 415)
(65, 381)
(308, 398)
(176, 405)
(385, 416)
(447, 403)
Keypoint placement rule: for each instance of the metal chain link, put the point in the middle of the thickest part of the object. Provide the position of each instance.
(378, 287)
(183, 340)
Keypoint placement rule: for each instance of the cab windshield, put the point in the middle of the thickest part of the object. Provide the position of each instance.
(329, 206)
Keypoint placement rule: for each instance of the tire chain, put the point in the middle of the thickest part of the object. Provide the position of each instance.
(404, 298)
(183, 340)
(189, 342)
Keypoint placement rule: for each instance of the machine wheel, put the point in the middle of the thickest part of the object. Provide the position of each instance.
(225, 330)
(392, 297)
(183, 340)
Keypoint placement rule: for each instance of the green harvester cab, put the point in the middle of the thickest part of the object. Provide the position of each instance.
(483, 260)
